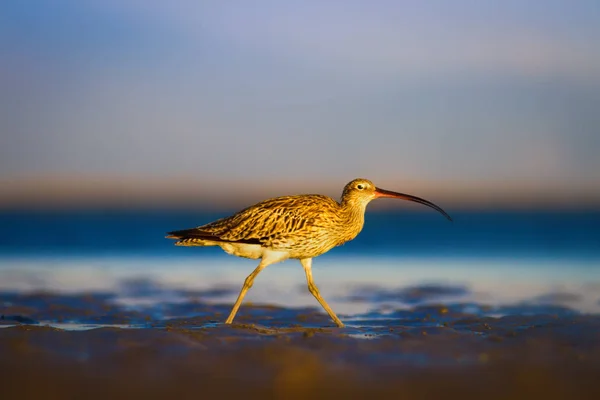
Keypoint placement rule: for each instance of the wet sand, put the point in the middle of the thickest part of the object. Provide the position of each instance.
(86, 346)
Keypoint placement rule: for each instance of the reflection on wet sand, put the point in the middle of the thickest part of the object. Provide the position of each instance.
(85, 346)
(103, 330)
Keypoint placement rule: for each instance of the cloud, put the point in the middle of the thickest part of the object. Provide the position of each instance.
(386, 40)
(280, 90)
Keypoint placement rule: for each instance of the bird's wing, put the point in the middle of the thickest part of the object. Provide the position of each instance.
(273, 219)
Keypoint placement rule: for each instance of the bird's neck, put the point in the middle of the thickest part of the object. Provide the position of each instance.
(353, 214)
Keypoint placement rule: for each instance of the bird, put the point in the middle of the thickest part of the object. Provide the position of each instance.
(298, 227)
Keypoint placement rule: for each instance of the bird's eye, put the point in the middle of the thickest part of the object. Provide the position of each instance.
(360, 186)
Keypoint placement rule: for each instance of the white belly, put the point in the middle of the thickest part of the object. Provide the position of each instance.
(253, 251)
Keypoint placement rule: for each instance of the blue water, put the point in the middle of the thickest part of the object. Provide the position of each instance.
(497, 259)
(480, 234)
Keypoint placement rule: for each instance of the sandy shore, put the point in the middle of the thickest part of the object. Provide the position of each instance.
(272, 352)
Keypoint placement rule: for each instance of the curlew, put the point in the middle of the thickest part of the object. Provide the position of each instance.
(298, 227)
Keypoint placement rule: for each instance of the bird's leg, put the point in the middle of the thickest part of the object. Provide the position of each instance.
(314, 290)
(247, 285)
(269, 257)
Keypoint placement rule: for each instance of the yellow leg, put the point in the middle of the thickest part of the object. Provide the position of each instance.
(247, 285)
(268, 259)
(314, 290)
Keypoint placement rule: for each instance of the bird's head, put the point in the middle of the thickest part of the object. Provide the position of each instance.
(362, 191)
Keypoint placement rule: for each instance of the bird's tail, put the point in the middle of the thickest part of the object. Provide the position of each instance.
(191, 237)
(197, 237)
(174, 235)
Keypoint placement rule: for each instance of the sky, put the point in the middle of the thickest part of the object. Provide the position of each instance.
(452, 99)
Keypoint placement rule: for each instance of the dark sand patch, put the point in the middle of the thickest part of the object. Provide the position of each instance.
(408, 295)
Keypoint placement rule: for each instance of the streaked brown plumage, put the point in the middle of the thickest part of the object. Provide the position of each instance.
(300, 227)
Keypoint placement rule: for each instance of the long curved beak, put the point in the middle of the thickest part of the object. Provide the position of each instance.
(388, 193)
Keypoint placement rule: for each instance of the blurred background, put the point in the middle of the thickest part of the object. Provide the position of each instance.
(121, 120)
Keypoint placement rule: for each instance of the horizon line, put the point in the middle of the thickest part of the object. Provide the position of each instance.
(185, 192)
